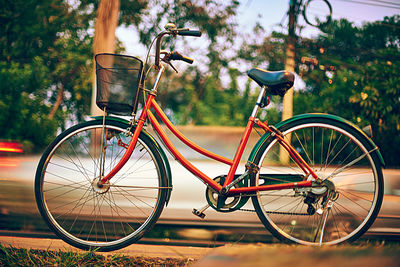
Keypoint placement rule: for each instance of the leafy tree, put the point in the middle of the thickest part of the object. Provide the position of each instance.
(46, 62)
(196, 95)
(46, 52)
(356, 78)
(349, 71)
(29, 37)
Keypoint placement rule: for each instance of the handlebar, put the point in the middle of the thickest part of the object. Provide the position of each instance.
(171, 30)
(190, 33)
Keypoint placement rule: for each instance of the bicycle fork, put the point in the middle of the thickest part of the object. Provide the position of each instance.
(136, 133)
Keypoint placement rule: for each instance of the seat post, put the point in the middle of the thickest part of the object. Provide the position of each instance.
(258, 103)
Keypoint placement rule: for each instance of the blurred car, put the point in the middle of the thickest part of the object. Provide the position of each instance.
(11, 147)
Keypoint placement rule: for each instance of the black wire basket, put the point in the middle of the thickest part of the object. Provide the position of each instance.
(117, 80)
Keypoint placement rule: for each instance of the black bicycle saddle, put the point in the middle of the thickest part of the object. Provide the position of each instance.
(278, 82)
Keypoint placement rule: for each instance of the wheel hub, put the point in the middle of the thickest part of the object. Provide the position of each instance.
(326, 191)
(326, 185)
(100, 187)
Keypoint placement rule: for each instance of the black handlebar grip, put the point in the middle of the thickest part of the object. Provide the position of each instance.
(187, 59)
(177, 56)
(190, 33)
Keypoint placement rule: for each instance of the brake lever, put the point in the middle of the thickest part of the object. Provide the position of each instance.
(172, 66)
(166, 60)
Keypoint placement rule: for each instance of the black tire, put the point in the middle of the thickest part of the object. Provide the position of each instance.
(77, 209)
(327, 146)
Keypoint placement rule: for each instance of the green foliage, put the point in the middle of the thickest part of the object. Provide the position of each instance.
(24, 117)
(201, 99)
(197, 96)
(46, 60)
(214, 18)
(357, 78)
(42, 49)
(46, 51)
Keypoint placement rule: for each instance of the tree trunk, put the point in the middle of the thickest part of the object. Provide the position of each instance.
(104, 38)
(287, 111)
(60, 95)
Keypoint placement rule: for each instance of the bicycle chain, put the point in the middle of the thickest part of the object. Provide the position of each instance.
(276, 212)
(279, 212)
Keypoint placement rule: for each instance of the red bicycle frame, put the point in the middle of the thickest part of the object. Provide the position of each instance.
(147, 114)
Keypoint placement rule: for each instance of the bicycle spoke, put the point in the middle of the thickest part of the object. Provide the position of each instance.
(135, 203)
(342, 148)
(79, 168)
(330, 150)
(117, 212)
(349, 164)
(333, 154)
(65, 167)
(72, 185)
(94, 215)
(78, 214)
(64, 193)
(301, 144)
(72, 202)
(79, 161)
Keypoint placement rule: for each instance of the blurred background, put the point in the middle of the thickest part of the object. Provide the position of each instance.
(345, 54)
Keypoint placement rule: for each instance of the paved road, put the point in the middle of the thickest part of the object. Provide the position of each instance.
(188, 192)
(16, 196)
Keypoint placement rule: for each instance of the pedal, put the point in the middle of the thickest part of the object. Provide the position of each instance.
(198, 213)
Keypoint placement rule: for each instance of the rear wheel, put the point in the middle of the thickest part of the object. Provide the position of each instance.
(338, 154)
(92, 216)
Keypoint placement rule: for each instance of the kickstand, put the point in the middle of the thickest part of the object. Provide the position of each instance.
(324, 224)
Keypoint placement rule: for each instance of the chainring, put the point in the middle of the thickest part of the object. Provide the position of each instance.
(231, 203)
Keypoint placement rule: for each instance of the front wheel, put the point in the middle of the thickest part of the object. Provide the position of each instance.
(87, 214)
(339, 154)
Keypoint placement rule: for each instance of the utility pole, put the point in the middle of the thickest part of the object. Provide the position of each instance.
(290, 57)
(287, 111)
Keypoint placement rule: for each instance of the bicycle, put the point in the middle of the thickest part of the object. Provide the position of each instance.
(313, 179)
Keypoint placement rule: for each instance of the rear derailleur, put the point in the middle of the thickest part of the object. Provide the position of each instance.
(326, 193)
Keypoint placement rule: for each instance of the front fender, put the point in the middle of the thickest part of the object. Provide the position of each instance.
(368, 140)
(156, 144)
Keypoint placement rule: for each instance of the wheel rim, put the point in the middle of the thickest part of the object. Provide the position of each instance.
(326, 148)
(83, 212)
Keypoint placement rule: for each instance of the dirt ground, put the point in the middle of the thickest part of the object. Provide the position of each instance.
(300, 256)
